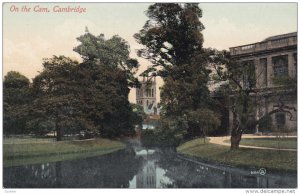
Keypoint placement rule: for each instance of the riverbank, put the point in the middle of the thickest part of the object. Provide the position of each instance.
(243, 157)
(277, 143)
(19, 152)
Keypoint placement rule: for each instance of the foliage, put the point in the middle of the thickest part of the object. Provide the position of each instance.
(54, 90)
(138, 115)
(16, 97)
(173, 43)
(159, 138)
(81, 97)
(171, 35)
(91, 96)
(113, 52)
(203, 120)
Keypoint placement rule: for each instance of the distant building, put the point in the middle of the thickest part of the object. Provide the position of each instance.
(146, 95)
(273, 57)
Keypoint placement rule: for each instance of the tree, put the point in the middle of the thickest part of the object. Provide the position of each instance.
(173, 43)
(55, 92)
(91, 96)
(171, 35)
(116, 69)
(113, 52)
(203, 120)
(16, 98)
(138, 115)
(244, 95)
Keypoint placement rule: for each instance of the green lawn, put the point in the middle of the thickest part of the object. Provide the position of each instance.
(283, 143)
(30, 151)
(244, 157)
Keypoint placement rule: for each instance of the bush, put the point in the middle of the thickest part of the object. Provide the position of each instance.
(159, 138)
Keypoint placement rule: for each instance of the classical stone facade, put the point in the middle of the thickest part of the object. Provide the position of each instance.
(146, 95)
(273, 57)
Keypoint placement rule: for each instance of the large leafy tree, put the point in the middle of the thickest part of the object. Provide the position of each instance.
(55, 92)
(113, 52)
(203, 120)
(90, 96)
(16, 97)
(113, 73)
(70, 97)
(173, 43)
(171, 35)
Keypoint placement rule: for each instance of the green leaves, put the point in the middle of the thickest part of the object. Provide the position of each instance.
(113, 52)
(172, 35)
(16, 96)
(15, 80)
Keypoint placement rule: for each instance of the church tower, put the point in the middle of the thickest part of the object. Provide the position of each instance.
(146, 95)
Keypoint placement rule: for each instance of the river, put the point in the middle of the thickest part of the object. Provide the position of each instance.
(138, 167)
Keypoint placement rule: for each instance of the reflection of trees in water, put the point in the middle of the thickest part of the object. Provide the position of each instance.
(117, 169)
(108, 171)
(189, 175)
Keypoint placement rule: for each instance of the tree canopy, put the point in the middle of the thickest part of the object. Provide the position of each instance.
(69, 97)
(16, 96)
(113, 52)
(173, 41)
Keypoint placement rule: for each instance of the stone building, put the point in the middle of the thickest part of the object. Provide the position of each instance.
(273, 57)
(146, 95)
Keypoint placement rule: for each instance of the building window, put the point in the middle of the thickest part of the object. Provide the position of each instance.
(248, 77)
(280, 119)
(280, 65)
(152, 92)
(264, 71)
(147, 103)
(148, 92)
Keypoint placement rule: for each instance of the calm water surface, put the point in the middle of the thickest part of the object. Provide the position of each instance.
(137, 167)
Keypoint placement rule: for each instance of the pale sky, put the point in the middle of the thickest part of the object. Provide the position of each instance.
(29, 37)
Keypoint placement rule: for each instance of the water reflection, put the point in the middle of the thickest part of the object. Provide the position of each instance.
(109, 171)
(186, 174)
(137, 167)
(150, 175)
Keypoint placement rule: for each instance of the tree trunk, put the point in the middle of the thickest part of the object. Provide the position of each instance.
(236, 133)
(58, 134)
(235, 140)
(58, 130)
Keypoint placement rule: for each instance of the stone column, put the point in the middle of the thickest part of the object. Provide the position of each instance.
(270, 71)
(291, 67)
(258, 73)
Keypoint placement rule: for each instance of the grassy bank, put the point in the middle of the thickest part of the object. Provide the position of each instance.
(244, 157)
(31, 151)
(283, 143)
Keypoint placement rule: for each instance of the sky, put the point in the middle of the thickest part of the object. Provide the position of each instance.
(28, 37)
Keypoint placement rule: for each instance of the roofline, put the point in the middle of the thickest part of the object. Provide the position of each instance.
(266, 40)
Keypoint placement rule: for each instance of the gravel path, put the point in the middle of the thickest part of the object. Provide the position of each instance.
(220, 141)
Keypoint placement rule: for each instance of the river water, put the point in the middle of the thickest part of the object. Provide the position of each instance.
(138, 167)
